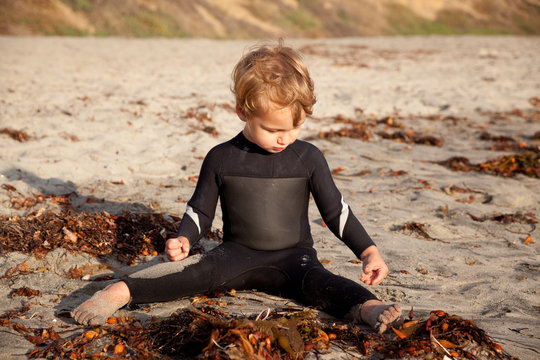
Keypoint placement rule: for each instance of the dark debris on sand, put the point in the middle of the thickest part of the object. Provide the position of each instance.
(364, 130)
(17, 135)
(210, 333)
(127, 236)
(526, 163)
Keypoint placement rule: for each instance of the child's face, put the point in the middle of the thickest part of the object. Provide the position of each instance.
(274, 130)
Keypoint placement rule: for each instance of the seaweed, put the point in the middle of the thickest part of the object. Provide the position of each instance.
(364, 130)
(526, 163)
(17, 135)
(128, 236)
(411, 137)
(415, 228)
(506, 143)
(356, 129)
(528, 218)
(441, 335)
(211, 333)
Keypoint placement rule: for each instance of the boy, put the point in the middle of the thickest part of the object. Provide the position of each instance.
(263, 177)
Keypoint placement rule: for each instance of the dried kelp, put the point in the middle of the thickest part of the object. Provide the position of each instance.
(506, 143)
(202, 114)
(411, 137)
(415, 228)
(25, 291)
(364, 130)
(529, 115)
(440, 335)
(210, 333)
(527, 218)
(356, 129)
(17, 135)
(526, 163)
(206, 333)
(127, 236)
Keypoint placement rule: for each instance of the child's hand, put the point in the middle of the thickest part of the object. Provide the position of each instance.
(374, 267)
(177, 248)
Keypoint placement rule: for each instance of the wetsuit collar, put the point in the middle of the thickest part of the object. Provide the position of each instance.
(241, 142)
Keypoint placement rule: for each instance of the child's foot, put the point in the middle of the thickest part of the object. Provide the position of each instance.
(104, 303)
(379, 315)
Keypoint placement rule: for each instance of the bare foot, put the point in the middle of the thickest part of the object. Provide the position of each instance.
(104, 303)
(380, 315)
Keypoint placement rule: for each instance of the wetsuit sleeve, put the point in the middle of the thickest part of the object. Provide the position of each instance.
(335, 212)
(201, 208)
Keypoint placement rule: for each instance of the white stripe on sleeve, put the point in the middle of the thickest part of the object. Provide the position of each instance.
(193, 215)
(343, 217)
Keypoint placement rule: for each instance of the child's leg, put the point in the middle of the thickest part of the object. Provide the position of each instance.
(106, 302)
(228, 266)
(342, 297)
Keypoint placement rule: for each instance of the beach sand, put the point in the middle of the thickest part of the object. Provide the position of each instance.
(128, 121)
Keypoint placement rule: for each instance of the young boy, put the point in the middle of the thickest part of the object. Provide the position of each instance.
(263, 177)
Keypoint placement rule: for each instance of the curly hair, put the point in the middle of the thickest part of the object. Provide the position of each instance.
(273, 75)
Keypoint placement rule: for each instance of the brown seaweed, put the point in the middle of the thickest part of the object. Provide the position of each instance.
(415, 228)
(128, 236)
(365, 128)
(526, 163)
(506, 143)
(211, 333)
(17, 135)
(411, 137)
(528, 218)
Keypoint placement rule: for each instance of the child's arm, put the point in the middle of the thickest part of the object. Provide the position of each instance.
(373, 266)
(200, 209)
(334, 211)
(177, 248)
(342, 222)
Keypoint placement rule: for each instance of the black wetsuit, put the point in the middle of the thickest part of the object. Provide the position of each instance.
(267, 243)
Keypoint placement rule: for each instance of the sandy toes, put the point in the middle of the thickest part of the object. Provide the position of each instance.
(102, 304)
(379, 315)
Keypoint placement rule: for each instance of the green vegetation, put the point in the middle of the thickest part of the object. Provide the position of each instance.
(80, 5)
(67, 30)
(302, 20)
(448, 22)
(403, 20)
(147, 23)
(258, 10)
(343, 16)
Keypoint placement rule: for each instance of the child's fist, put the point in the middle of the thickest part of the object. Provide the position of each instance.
(177, 248)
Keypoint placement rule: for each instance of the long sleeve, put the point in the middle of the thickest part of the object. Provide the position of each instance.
(201, 208)
(335, 212)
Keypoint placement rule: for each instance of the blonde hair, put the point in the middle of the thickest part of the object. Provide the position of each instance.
(273, 74)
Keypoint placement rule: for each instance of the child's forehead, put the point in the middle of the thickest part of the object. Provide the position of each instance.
(280, 117)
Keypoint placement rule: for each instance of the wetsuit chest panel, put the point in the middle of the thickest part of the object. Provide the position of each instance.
(264, 213)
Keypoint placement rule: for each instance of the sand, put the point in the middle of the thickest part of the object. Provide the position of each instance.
(120, 120)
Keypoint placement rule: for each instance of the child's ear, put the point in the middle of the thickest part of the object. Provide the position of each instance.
(240, 113)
